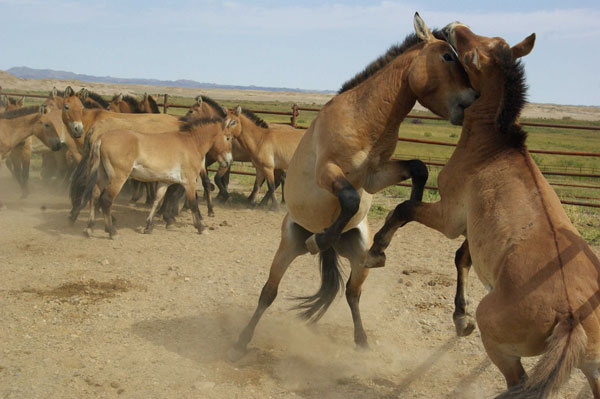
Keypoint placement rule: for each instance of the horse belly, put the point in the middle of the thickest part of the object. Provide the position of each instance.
(145, 173)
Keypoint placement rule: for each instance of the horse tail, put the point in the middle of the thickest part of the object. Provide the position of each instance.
(566, 346)
(85, 176)
(314, 307)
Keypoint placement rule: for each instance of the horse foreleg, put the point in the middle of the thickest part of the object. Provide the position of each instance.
(290, 247)
(222, 181)
(206, 185)
(161, 189)
(280, 180)
(393, 172)
(25, 162)
(192, 200)
(260, 178)
(429, 214)
(331, 177)
(268, 173)
(170, 205)
(463, 322)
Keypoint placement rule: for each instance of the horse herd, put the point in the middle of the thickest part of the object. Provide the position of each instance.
(542, 277)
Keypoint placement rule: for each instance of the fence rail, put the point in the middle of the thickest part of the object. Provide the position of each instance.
(295, 111)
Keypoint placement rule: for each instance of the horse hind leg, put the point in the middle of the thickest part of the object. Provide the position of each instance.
(89, 230)
(353, 245)
(106, 200)
(160, 193)
(463, 321)
(591, 370)
(290, 247)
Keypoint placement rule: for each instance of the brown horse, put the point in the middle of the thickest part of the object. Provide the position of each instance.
(270, 148)
(129, 105)
(168, 158)
(344, 157)
(19, 124)
(542, 275)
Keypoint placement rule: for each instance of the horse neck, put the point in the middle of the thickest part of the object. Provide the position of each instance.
(480, 131)
(13, 131)
(251, 135)
(204, 138)
(89, 116)
(384, 100)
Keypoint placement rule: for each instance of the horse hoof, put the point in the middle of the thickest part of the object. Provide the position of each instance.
(148, 230)
(464, 325)
(114, 236)
(87, 232)
(252, 205)
(234, 354)
(211, 214)
(311, 244)
(375, 260)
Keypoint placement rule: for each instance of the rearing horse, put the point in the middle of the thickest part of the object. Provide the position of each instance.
(344, 158)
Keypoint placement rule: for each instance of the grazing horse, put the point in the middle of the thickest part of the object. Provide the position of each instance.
(270, 148)
(168, 158)
(541, 274)
(344, 158)
(19, 124)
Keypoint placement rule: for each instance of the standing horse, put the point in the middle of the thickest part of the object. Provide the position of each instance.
(168, 158)
(344, 158)
(541, 274)
(270, 148)
(19, 124)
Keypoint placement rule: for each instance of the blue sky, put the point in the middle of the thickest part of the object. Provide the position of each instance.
(298, 44)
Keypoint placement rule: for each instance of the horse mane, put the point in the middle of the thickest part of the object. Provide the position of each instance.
(257, 121)
(390, 55)
(153, 105)
(513, 101)
(59, 93)
(194, 124)
(214, 105)
(12, 100)
(134, 104)
(97, 98)
(16, 113)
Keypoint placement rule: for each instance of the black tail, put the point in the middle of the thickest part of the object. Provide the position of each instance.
(314, 307)
(83, 180)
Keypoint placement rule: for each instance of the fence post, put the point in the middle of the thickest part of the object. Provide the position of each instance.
(294, 115)
(166, 104)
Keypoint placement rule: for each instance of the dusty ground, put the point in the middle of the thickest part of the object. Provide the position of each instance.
(8, 81)
(152, 316)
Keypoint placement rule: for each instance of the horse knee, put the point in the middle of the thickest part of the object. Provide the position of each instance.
(349, 199)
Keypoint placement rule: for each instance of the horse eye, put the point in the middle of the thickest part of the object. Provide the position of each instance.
(448, 57)
(46, 125)
(66, 106)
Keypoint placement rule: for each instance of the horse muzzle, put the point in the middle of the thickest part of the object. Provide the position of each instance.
(55, 144)
(76, 129)
(461, 102)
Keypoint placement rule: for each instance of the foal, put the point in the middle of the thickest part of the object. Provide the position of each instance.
(167, 158)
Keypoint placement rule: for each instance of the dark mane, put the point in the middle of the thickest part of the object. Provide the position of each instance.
(97, 98)
(214, 105)
(59, 93)
(134, 104)
(393, 52)
(514, 99)
(15, 113)
(198, 122)
(153, 105)
(257, 121)
(12, 101)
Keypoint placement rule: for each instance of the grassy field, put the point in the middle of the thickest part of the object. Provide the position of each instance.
(587, 219)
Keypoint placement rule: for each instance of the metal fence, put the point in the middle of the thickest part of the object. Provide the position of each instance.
(295, 112)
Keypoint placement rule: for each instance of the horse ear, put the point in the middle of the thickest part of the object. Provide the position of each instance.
(145, 97)
(522, 49)
(120, 97)
(230, 122)
(421, 29)
(198, 100)
(43, 110)
(54, 92)
(21, 101)
(238, 110)
(69, 91)
(83, 94)
(474, 59)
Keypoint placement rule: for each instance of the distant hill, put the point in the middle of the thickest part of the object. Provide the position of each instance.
(31, 73)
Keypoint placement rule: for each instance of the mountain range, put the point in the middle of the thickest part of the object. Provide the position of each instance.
(31, 73)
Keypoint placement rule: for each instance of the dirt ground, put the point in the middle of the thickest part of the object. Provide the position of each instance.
(152, 316)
